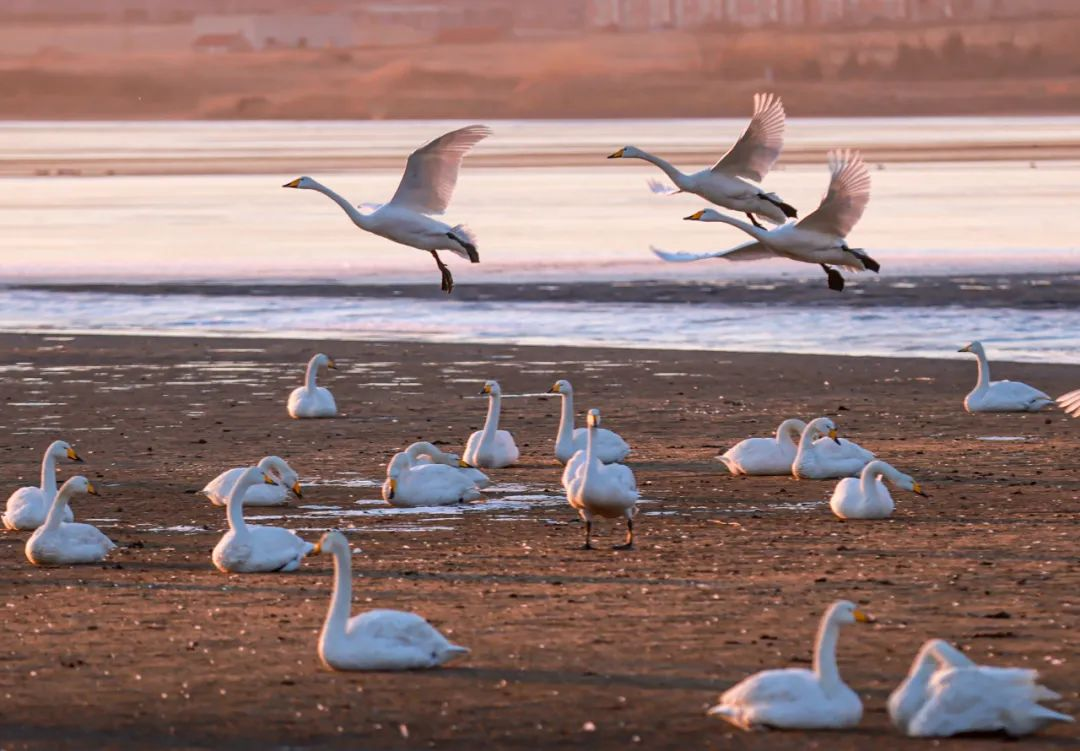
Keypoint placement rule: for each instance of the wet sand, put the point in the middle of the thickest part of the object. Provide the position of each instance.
(570, 647)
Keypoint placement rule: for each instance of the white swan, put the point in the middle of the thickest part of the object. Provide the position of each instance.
(311, 400)
(410, 483)
(1070, 402)
(1000, 396)
(598, 489)
(765, 456)
(58, 542)
(27, 507)
(796, 698)
(491, 448)
(218, 489)
(752, 156)
(819, 238)
(423, 452)
(867, 497)
(945, 694)
(608, 446)
(825, 459)
(425, 189)
(377, 639)
(249, 548)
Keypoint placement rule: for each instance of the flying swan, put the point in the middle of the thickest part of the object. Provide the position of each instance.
(218, 489)
(311, 400)
(491, 448)
(608, 446)
(27, 507)
(752, 156)
(765, 456)
(597, 489)
(1000, 396)
(796, 698)
(867, 497)
(1070, 402)
(57, 542)
(377, 639)
(425, 190)
(818, 238)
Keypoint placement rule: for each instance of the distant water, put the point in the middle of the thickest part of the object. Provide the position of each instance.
(1012, 334)
(594, 221)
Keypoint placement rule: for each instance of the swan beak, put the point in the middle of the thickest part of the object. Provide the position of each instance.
(315, 550)
(861, 617)
(393, 489)
(833, 434)
(296, 489)
(90, 488)
(268, 480)
(617, 155)
(464, 464)
(73, 456)
(696, 216)
(331, 364)
(485, 390)
(292, 183)
(965, 349)
(554, 389)
(917, 488)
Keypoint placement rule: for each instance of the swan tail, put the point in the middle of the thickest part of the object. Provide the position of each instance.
(671, 256)
(465, 243)
(732, 467)
(729, 714)
(661, 188)
(1045, 713)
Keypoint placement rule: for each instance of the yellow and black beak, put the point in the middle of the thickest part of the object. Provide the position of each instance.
(617, 155)
(554, 389)
(292, 183)
(464, 464)
(834, 435)
(90, 488)
(965, 349)
(268, 480)
(696, 216)
(861, 617)
(486, 390)
(917, 489)
(393, 490)
(297, 490)
(315, 550)
(331, 363)
(72, 455)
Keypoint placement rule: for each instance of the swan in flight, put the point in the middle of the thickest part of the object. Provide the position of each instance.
(491, 448)
(377, 639)
(27, 507)
(825, 459)
(597, 489)
(796, 698)
(58, 542)
(245, 548)
(411, 483)
(867, 497)
(1000, 396)
(311, 400)
(423, 452)
(766, 456)
(752, 156)
(608, 446)
(946, 694)
(218, 489)
(425, 190)
(1070, 402)
(818, 238)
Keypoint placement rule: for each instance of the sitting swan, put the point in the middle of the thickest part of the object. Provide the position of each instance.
(1000, 396)
(248, 549)
(795, 698)
(945, 694)
(218, 489)
(822, 460)
(27, 507)
(377, 639)
(608, 446)
(409, 483)
(598, 489)
(59, 542)
(310, 400)
(867, 497)
(491, 448)
(765, 456)
(423, 452)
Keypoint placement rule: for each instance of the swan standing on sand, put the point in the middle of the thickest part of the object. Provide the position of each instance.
(58, 542)
(311, 400)
(608, 446)
(766, 456)
(425, 189)
(423, 452)
(818, 238)
(1000, 396)
(946, 694)
(867, 497)
(410, 483)
(27, 507)
(795, 698)
(752, 156)
(491, 448)
(377, 639)
(218, 489)
(598, 489)
(824, 460)
(245, 548)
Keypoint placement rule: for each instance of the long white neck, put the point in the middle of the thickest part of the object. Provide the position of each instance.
(234, 507)
(809, 435)
(787, 430)
(870, 474)
(825, 654)
(949, 656)
(56, 510)
(677, 177)
(491, 424)
(48, 474)
(566, 422)
(588, 453)
(759, 234)
(421, 448)
(337, 617)
(984, 371)
(311, 373)
(358, 218)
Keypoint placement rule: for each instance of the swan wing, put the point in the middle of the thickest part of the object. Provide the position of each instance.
(661, 188)
(751, 251)
(846, 199)
(432, 170)
(276, 549)
(758, 148)
(1070, 402)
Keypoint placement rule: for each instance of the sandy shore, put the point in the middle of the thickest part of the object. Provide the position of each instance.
(157, 648)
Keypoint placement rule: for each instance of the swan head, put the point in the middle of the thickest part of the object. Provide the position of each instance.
(824, 426)
(909, 483)
(331, 542)
(491, 388)
(974, 348)
(303, 183)
(593, 418)
(280, 470)
(79, 484)
(706, 215)
(626, 152)
(63, 450)
(845, 612)
(561, 387)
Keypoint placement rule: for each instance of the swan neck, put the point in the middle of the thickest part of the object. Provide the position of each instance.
(337, 617)
(759, 234)
(668, 168)
(48, 475)
(825, 654)
(234, 509)
(566, 422)
(984, 371)
(868, 481)
(491, 424)
(311, 374)
(359, 219)
(56, 510)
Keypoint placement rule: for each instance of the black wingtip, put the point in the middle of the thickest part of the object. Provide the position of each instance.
(871, 264)
(789, 211)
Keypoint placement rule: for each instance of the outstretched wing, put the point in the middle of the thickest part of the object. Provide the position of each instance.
(1070, 402)
(752, 251)
(758, 148)
(846, 199)
(432, 170)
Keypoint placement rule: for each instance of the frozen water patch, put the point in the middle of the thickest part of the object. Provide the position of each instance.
(1002, 438)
